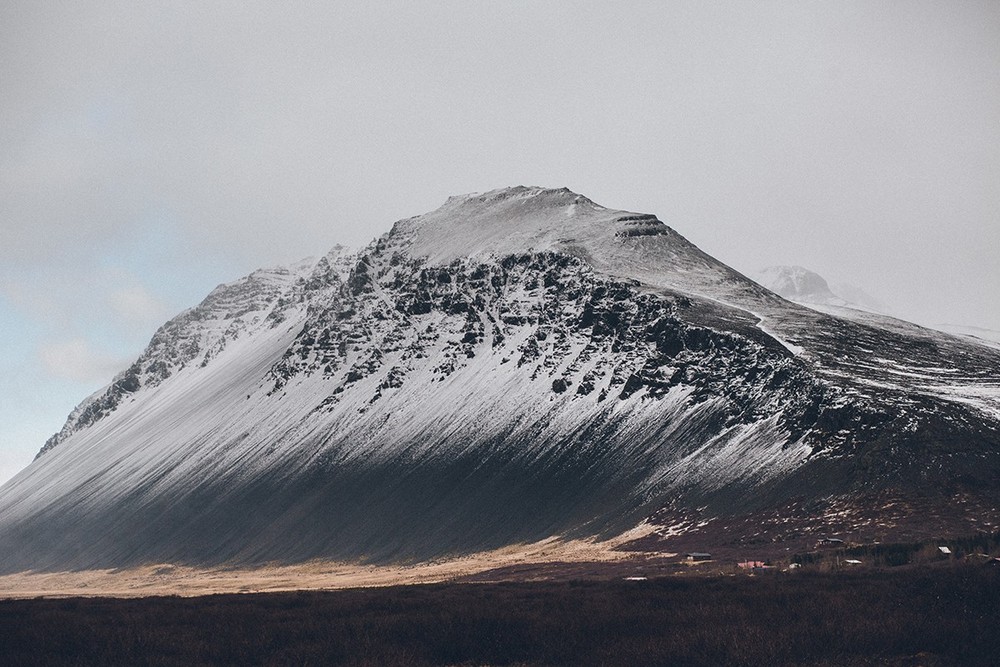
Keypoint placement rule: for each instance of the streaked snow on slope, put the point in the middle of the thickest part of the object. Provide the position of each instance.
(518, 364)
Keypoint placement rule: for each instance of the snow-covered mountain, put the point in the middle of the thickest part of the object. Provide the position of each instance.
(798, 284)
(809, 288)
(856, 297)
(514, 365)
(979, 335)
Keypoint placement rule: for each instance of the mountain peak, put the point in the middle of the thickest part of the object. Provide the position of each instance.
(512, 220)
(522, 219)
(804, 286)
(539, 196)
(395, 405)
(797, 283)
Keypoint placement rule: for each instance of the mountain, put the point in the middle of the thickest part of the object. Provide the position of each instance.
(811, 289)
(808, 287)
(979, 335)
(518, 364)
(798, 284)
(859, 298)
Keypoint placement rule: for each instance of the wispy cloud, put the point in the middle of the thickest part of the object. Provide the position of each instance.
(77, 360)
(109, 303)
(855, 138)
(135, 307)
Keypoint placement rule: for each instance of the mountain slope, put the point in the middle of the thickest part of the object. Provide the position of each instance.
(515, 365)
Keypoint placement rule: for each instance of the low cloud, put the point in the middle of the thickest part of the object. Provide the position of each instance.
(77, 360)
(136, 307)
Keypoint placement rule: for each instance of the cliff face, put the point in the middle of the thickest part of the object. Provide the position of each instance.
(515, 365)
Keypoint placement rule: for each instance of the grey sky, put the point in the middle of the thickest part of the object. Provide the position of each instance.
(149, 151)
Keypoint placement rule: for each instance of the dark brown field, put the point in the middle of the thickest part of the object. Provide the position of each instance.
(945, 614)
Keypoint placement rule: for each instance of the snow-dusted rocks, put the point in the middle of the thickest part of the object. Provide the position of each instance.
(515, 365)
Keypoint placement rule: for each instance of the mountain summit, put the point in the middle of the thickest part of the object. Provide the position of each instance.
(623, 244)
(516, 365)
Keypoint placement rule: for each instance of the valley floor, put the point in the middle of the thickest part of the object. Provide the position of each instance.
(636, 555)
(941, 614)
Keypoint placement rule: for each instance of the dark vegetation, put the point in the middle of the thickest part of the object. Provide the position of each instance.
(934, 615)
(976, 548)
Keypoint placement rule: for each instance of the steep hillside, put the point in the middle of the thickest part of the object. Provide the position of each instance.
(515, 365)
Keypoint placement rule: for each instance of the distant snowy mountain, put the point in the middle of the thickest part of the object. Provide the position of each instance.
(859, 298)
(517, 364)
(798, 284)
(808, 287)
(977, 334)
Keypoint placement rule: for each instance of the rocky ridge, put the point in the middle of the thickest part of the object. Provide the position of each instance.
(517, 364)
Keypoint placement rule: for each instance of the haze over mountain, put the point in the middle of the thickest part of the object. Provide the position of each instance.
(809, 288)
(804, 286)
(517, 364)
(854, 138)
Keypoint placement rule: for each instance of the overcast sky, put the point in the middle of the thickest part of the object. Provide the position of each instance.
(151, 150)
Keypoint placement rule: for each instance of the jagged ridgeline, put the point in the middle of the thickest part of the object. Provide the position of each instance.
(515, 365)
